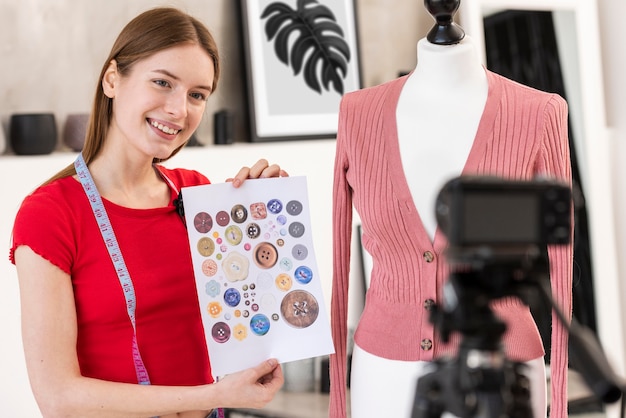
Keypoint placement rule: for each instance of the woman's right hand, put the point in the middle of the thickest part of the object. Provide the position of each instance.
(251, 388)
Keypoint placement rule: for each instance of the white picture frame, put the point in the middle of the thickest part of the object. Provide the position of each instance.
(283, 105)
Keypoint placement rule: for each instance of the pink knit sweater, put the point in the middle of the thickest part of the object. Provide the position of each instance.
(522, 133)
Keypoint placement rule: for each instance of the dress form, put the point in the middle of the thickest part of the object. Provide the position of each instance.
(437, 116)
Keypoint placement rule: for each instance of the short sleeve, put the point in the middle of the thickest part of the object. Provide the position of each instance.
(43, 224)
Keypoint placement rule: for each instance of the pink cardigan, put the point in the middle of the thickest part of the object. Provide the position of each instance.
(522, 133)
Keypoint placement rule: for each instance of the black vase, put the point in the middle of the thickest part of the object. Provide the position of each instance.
(33, 133)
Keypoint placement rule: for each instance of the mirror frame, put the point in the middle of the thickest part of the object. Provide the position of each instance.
(578, 36)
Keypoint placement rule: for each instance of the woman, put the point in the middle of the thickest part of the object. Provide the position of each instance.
(87, 343)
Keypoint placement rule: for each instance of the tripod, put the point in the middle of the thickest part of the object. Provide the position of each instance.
(480, 381)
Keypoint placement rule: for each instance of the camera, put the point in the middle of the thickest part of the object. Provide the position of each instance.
(489, 211)
(498, 231)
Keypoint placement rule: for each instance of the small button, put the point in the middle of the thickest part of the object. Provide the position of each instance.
(426, 344)
(429, 304)
(429, 257)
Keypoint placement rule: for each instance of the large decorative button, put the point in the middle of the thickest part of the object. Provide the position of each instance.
(275, 206)
(239, 213)
(429, 304)
(296, 229)
(260, 324)
(222, 218)
(294, 207)
(209, 267)
(426, 344)
(258, 210)
(265, 255)
(233, 235)
(235, 267)
(220, 332)
(303, 274)
(299, 252)
(283, 282)
(232, 297)
(203, 222)
(429, 257)
(299, 308)
(206, 246)
(253, 230)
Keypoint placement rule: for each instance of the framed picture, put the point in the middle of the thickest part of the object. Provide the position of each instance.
(301, 57)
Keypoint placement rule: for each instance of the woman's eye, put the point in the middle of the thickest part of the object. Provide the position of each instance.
(198, 96)
(161, 83)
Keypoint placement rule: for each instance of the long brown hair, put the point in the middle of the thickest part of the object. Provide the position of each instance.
(148, 33)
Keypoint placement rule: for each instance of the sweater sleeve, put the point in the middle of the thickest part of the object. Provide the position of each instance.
(555, 162)
(342, 229)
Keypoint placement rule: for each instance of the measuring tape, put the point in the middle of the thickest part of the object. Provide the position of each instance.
(104, 223)
(106, 229)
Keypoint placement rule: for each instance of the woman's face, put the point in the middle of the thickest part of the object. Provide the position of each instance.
(160, 102)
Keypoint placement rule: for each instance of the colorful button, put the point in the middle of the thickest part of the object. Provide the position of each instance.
(222, 218)
(285, 264)
(212, 288)
(203, 222)
(283, 282)
(265, 255)
(299, 308)
(429, 257)
(294, 207)
(275, 206)
(214, 309)
(206, 246)
(232, 297)
(303, 274)
(240, 332)
(258, 210)
(260, 324)
(239, 213)
(233, 235)
(235, 267)
(220, 332)
(253, 230)
(299, 252)
(296, 229)
(209, 267)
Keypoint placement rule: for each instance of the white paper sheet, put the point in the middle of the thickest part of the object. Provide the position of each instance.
(256, 273)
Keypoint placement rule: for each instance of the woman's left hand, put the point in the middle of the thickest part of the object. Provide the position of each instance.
(261, 169)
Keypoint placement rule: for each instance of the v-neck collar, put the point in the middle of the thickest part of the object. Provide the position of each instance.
(392, 148)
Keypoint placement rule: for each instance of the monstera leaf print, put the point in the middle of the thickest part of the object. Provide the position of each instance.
(319, 49)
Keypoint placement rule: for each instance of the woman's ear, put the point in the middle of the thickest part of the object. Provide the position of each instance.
(109, 80)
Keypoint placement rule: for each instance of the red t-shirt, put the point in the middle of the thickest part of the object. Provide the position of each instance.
(56, 221)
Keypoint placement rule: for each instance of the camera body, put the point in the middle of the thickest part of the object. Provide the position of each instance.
(489, 211)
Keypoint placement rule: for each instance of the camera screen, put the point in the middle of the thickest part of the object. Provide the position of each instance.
(494, 218)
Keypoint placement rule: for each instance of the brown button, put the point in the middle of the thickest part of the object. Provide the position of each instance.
(426, 344)
(265, 255)
(429, 257)
(429, 304)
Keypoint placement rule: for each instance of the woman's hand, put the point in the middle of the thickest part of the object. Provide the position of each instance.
(262, 169)
(253, 387)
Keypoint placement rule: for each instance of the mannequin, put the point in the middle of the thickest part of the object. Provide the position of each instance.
(408, 127)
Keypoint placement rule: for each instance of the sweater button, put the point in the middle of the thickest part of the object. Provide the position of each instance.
(429, 304)
(428, 256)
(426, 344)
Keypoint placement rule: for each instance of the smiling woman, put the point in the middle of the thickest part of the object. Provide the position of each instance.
(111, 325)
